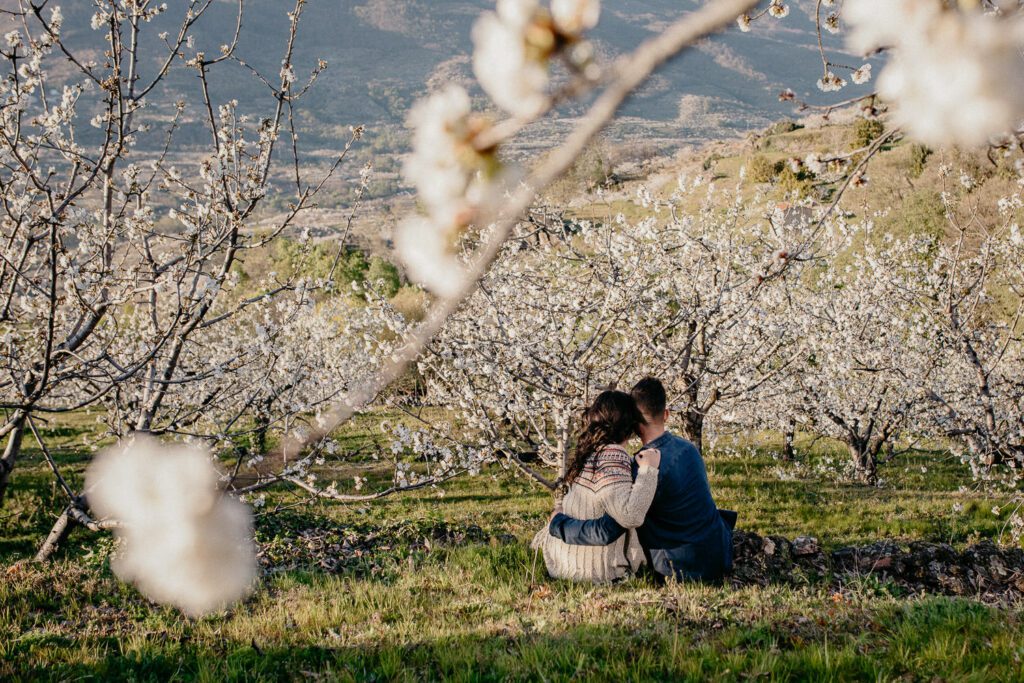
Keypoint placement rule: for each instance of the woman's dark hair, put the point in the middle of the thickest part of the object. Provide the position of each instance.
(612, 418)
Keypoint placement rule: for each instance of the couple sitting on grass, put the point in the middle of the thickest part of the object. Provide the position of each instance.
(620, 513)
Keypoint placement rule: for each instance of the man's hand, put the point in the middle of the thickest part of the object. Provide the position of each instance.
(650, 457)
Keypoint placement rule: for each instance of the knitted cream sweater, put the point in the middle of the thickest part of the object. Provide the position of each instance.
(604, 486)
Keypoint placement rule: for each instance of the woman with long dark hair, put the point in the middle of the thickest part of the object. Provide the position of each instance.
(599, 480)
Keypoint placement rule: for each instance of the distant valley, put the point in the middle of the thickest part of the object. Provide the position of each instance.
(384, 54)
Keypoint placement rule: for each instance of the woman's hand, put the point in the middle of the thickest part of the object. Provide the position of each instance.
(651, 457)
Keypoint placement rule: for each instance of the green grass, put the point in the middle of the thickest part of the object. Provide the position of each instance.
(441, 584)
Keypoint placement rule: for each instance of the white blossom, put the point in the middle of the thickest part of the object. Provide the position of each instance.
(953, 76)
(778, 9)
(56, 19)
(573, 17)
(184, 543)
(510, 57)
(830, 82)
(861, 75)
(444, 165)
(287, 75)
(452, 179)
(424, 247)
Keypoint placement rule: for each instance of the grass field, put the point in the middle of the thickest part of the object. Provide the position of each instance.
(442, 585)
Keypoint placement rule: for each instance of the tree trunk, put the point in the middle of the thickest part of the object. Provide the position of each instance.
(11, 452)
(993, 455)
(693, 427)
(58, 534)
(259, 437)
(865, 463)
(788, 438)
(75, 514)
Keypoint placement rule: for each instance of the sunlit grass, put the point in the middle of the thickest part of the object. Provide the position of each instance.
(447, 588)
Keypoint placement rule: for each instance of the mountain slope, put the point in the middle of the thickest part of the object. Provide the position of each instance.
(383, 54)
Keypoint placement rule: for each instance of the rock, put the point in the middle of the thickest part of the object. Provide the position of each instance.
(761, 560)
(504, 539)
(805, 545)
(984, 569)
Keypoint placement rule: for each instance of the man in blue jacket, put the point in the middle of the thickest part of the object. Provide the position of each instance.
(684, 535)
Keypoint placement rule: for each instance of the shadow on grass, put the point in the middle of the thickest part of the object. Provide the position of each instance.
(17, 547)
(945, 638)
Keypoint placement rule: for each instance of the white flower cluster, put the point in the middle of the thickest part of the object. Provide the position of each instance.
(778, 9)
(441, 456)
(454, 165)
(514, 44)
(861, 75)
(955, 76)
(451, 177)
(831, 82)
(183, 542)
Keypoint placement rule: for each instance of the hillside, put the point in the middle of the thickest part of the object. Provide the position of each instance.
(383, 54)
(904, 180)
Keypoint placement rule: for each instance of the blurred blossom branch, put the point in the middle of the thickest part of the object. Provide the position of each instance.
(501, 213)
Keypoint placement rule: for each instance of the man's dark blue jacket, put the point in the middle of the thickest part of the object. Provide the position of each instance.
(684, 534)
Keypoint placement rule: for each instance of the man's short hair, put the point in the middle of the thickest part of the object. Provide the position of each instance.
(649, 394)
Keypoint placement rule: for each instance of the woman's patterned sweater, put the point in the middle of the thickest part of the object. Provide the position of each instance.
(604, 486)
